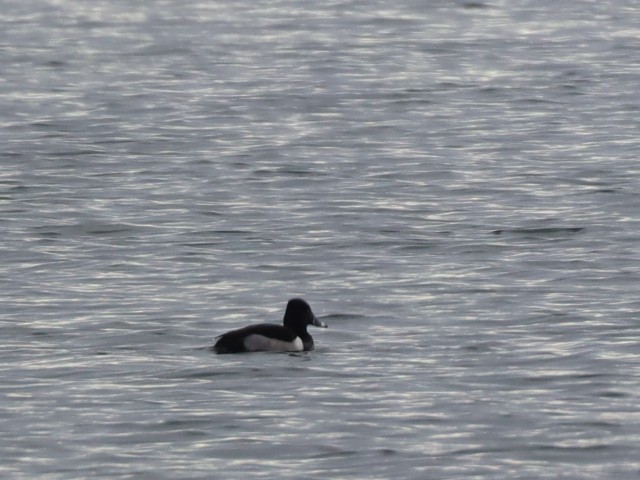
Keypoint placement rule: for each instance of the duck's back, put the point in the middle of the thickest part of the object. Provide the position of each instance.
(256, 338)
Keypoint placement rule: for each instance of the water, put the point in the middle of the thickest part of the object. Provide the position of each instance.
(452, 186)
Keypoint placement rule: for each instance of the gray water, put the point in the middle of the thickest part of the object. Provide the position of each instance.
(453, 186)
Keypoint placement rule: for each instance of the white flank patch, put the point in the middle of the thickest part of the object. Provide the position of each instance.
(259, 343)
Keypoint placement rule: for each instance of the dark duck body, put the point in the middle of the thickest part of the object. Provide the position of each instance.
(292, 336)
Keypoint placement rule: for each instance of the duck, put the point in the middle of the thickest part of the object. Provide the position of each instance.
(292, 336)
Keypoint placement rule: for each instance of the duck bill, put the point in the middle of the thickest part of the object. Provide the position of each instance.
(319, 323)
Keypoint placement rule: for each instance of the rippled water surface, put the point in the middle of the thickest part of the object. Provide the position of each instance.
(453, 186)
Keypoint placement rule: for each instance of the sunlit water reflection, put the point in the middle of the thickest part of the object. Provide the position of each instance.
(453, 188)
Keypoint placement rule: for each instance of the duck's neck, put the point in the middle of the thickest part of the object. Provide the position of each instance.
(307, 341)
(301, 331)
